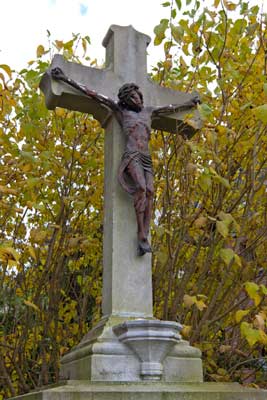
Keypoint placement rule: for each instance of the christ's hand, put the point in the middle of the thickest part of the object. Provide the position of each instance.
(58, 74)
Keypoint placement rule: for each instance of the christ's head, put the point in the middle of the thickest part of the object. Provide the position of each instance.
(130, 97)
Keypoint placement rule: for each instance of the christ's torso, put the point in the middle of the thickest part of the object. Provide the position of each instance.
(137, 126)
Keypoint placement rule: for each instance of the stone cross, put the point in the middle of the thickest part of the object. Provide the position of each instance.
(127, 282)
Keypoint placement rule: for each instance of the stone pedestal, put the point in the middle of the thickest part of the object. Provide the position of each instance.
(84, 390)
(106, 356)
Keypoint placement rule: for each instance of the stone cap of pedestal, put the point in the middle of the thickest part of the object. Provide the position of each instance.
(148, 327)
(151, 341)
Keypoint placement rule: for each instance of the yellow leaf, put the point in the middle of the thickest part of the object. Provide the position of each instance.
(225, 348)
(263, 337)
(186, 331)
(2, 77)
(222, 371)
(204, 110)
(200, 222)
(263, 289)
(200, 305)
(222, 228)
(237, 260)
(252, 290)
(59, 44)
(226, 217)
(229, 6)
(26, 168)
(240, 314)
(189, 300)
(204, 181)
(227, 255)
(6, 190)
(9, 254)
(259, 322)
(60, 112)
(217, 377)
(32, 252)
(7, 69)
(261, 113)
(252, 335)
(32, 305)
(19, 292)
(38, 235)
(40, 51)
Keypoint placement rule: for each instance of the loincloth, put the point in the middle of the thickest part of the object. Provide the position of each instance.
(144, 160)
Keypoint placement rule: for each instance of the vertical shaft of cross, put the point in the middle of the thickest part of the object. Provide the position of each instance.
(127, 281)
(126, 53)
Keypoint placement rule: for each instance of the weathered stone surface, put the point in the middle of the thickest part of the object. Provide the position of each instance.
(127, 292)
(151, 341)
(82, 390)
(127, 278)
(127, 283)
(102, 357)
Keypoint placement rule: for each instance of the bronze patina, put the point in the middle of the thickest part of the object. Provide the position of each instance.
(135, 172)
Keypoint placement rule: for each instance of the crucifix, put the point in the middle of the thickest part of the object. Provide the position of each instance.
(142, 105)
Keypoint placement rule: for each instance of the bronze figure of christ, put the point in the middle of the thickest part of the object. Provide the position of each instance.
(135, 171)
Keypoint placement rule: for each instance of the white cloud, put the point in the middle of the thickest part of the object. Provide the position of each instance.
(27, 22)
(24, 24)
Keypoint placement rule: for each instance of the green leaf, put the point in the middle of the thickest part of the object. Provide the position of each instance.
(177, 33)
(27, 155)
(263, 289)
(261, 113)
(226, 217)
(238, 260)
(222, 228)
(252, 290)
(79, 280)
(204, 110)
(223, 181)
(240, 314)
(173, 13)
(227, 255)
(160, 30)
(166, 4)
(204, 181)
(32, 305)
(179, 4)
(251, 335)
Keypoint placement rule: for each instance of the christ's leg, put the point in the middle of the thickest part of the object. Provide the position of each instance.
(149, 201)
(137, 174)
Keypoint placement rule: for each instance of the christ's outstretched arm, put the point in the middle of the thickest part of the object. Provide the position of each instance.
(59, 75)
(173, 108)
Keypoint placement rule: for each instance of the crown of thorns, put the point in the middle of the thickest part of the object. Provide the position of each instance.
(126, 90)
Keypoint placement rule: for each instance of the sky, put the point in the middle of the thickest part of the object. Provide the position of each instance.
(24, 25)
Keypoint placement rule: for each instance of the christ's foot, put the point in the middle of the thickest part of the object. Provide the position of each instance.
(144, 247)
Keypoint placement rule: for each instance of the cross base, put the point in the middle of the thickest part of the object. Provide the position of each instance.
(102, 356)
(84, 390)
